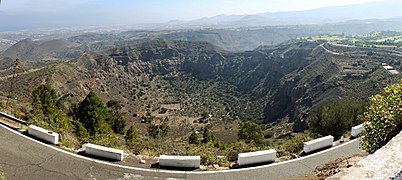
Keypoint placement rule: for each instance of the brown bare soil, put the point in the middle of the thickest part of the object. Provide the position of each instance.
(331, 168)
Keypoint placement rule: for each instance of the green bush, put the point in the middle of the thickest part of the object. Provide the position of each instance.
(336, 118)
(131, 136)
(295, 144)
(117, 116)
(251, 133)
(207, 152)
(383, 119)
(81, 132)
(158, 131)
(145, 145)
(66, 143)
(209, 138)
(45, 112)
(193, 139)
(108, 140)
(93, 114)
(233, 149)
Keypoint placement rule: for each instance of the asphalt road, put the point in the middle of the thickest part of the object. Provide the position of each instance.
(21, 158)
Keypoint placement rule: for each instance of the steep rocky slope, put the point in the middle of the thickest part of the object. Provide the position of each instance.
(188, 82)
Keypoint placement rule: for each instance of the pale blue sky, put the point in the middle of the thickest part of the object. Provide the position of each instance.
(146, 11)
(30, 14)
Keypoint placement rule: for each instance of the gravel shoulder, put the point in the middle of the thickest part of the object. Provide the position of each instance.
(326, 170)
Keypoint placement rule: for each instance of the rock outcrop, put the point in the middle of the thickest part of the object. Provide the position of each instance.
(385, 163)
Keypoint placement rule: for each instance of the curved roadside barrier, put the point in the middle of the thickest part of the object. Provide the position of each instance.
(13, 118)
(43, 134)
(167, 161)
(318, 144)
(104, 152)
(190, 162)
(250, 158)
(357, 130)
(68, 162)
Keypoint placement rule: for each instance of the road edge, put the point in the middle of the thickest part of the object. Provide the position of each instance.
(173, 171)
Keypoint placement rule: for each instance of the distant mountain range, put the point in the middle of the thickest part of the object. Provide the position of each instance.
(373, 10)
(231, 39)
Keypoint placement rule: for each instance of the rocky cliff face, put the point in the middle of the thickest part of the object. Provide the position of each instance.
(266, 84)
(299, 90)
(291, 78)
(242, 82)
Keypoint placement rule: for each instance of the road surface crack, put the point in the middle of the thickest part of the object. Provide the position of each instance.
(41, 165)
(311, 169)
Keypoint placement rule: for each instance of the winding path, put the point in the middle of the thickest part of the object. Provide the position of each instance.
(329, 51)
(23, 158)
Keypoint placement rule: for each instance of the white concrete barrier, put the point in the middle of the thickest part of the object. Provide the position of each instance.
(43, 134)
(180, 161)
(105, 152)
(393, 71)
(256, 157)
(13, 118)
(356, 130)
(317, 144)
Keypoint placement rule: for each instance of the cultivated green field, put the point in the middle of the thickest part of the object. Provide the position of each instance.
(386, 39)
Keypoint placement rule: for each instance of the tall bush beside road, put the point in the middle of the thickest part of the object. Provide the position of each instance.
(336, 118)
(383, 119)
(45, 112)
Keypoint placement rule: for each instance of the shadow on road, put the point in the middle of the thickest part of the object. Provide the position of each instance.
(315, 151)
(237, 166)
(157, 166)
(82, 153)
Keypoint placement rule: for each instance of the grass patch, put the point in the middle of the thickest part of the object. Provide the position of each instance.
(347, 134)
(386, 46)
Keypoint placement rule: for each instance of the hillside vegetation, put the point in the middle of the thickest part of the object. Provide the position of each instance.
(187, 98)
(383, 118)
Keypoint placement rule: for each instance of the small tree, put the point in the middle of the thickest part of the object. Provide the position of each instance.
(81, 132)
(131, 136)
(117, 119)
(45, 112)
(115, 106)
(383, 118)
(251, 132)
(336, 118)
(208, 137)
(73, 110)
(158, 131)
(193, 139)
(44, 99)
(93, 114)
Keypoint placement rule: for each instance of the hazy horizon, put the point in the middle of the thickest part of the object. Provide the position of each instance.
(25, 14)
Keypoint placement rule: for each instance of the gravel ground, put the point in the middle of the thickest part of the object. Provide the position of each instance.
(331, 168)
